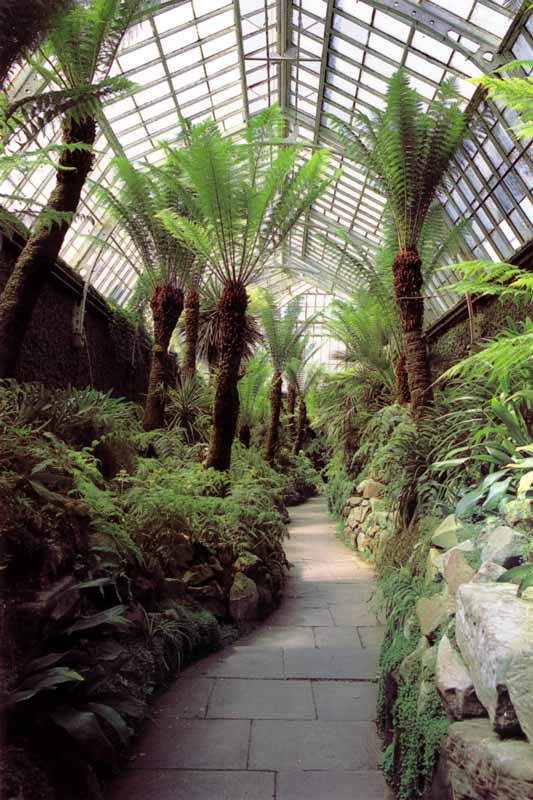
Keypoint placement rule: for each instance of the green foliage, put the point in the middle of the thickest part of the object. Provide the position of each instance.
(283, 328)
(253, 399)
(514, 91)
(188, 409)
(339, 486)
(245, 197)
(406, 149)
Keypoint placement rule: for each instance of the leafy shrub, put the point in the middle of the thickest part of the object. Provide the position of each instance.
(339, 486)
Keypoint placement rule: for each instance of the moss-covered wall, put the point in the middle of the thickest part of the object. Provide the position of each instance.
(116, 358)
(449, 344)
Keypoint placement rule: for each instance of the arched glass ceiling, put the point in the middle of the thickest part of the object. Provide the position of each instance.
(227, 60)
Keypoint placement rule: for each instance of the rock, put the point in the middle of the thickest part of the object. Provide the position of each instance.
(360, 513)
(353, 518)
(494, 630)
(489, 572)
(484, 767)
(449, 533)
(247, 563)
(432, 612)
(200, 573)
(456, 570)
(243, 598)
(363, 541)
(429, 663)
(434, 565)
(454, 684)
(503, 545)
(520, 513)
(354, 501)
(370, 488)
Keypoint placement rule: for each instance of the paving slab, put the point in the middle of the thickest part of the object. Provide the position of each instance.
(280, 636)
(371, 636)
(174, 784)
(340, 636)
(194, 744)
(349, 701)
(306, 617)
(283, 745)
(187, 698)
(246, 699)
(353, 614)
(243, 662)
(316, 785)
(333, 663)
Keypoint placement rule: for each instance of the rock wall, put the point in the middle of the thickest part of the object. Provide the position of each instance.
(115, 357)
(478, 633)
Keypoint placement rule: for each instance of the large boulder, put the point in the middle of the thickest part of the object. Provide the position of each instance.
(503, 545)
(243, 598)
(455, 685)
(457, 569)
(519, 512)
(484, 767)
(434, 565)
(449, 533)
(370, 488)
(432, 612)
(494, 630)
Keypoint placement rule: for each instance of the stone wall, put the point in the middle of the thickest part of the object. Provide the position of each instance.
(115, 356)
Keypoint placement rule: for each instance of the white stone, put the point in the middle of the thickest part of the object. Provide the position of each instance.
(494, 630)
(455, 684)
(503, 545)
(489, 572)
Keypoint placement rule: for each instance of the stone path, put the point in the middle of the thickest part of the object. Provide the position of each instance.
(287, 713)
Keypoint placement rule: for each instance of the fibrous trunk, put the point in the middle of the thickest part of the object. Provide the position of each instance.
(40, 253)
(245, 435)
(166, 305)
(403, 394)
(232, 315)
(275, 414)
(291, 405)
(192, 316)
(300, 429)
(407, 273)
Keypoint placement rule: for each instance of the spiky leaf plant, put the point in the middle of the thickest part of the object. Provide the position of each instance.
(164, 265)
(294, 371)
(252, 395)
(247, 197)
(81, 50)
(283, 331)
(407, 150)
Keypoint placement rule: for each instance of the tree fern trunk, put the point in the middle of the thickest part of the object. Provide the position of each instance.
(166, 305)
(245, 435)
(300, 430)
(192, 317)
(40, 253)
(291, 405)
(403, 395)
(232, 308)
(407, 273)
(275, 414)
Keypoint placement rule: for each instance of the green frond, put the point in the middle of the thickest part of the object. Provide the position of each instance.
(514, 91)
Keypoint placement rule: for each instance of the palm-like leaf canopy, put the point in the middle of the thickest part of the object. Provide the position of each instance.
(134, 203)
(406, 149)
(246, 196)
(209, 331)
(284, 331)
(76, 59)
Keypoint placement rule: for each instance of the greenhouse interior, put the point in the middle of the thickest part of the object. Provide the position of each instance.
(266, 422)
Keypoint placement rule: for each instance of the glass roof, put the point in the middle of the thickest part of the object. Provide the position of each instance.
(227, 60)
